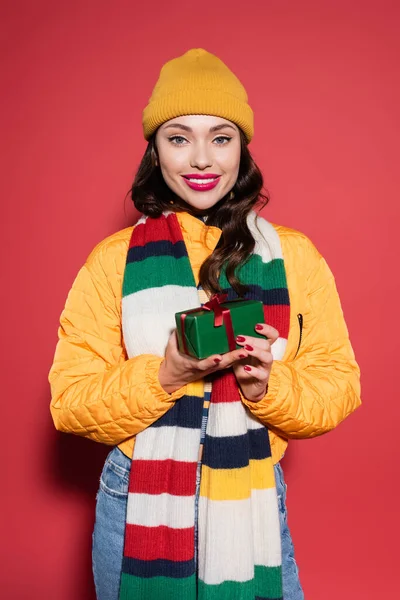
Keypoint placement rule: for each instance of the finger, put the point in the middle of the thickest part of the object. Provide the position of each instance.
(211, 362)
(173, 339)
(252, 372)
(231, 358)
(219, 361)
(264, 357)
(172, 345)
(270, 332)
(248, 340)
(192, 361)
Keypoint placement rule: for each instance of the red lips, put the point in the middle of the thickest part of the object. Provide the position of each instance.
(202, 187)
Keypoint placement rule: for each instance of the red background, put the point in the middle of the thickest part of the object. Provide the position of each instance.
(322, 78)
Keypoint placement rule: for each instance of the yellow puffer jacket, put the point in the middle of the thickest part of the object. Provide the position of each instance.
(98, 393)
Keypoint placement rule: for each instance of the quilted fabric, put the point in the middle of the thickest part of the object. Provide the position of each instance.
(98, 393)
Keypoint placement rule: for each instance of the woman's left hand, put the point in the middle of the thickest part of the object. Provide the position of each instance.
(252, 372)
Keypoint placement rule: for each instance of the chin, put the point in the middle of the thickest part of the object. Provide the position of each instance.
(203, 205)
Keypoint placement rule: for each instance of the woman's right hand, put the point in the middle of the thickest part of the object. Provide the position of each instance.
(178, 369)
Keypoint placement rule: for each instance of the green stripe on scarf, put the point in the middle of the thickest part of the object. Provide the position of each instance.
(158, 588)
(275, 273)
(166, 588)
(156, 271)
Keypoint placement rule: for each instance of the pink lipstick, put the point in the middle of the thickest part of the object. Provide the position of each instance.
(201, 182)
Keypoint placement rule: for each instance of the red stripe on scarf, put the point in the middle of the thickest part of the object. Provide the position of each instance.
(166, 229)
(278, 316)
(163, 476)
(224, 388)
(159, 542)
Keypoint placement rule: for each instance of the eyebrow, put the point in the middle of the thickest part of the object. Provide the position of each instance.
(186, 128)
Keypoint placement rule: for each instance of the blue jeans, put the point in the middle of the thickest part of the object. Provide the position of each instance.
(109, 529)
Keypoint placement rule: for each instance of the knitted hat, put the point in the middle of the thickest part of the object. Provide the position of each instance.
(197, 82)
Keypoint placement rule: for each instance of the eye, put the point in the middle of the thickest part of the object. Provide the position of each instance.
(173, 139)
(223, 137)
(178, 140)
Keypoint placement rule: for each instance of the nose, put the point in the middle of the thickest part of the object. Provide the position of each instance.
(201, 156)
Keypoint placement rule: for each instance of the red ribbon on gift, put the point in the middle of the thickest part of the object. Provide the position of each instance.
(222, 316)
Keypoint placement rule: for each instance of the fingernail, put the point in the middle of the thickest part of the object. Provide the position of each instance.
(247, 368)
(217, 360)
(242, 355)
(247, 347)
(258, 326)
(240, 338)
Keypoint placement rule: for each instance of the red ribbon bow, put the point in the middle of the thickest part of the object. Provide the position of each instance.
(214, 304)
(221, 316)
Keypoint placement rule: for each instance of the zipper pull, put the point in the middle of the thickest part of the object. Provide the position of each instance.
(300, 320)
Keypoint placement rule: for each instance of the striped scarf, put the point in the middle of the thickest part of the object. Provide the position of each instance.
(239, 545)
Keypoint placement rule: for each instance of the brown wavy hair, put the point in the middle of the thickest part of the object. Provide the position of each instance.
(151, 196)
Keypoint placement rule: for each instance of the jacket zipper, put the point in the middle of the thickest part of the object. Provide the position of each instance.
(300, 320)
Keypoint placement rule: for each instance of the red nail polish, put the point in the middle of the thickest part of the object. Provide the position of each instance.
(217, 360)
(250, 348)
(247, 368)
(259, 327)
(240, 338)
(242, 355)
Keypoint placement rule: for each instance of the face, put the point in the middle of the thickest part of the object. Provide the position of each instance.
(199, 157)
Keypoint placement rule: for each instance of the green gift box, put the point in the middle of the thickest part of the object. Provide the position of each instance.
(212, 328)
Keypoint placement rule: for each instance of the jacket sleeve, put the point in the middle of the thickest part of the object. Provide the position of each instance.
(313, 393)
(96, 391)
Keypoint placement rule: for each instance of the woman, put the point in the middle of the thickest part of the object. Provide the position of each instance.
(198, 443)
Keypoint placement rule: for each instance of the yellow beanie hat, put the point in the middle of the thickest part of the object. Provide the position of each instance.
(197, 83)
